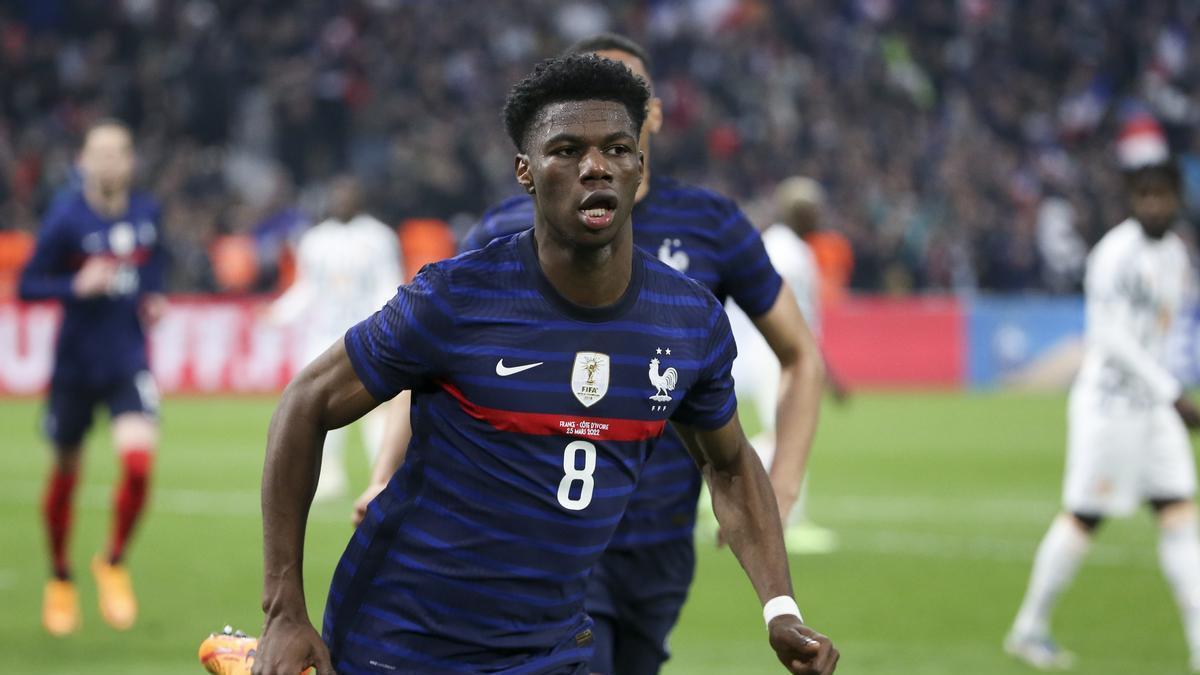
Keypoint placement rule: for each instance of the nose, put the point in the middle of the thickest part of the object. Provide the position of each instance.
(594, 166)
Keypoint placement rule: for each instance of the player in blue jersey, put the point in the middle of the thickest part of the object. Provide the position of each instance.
(542, 368)
(640, 584)
(98, 253)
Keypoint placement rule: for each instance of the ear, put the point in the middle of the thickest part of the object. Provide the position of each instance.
(523, 172)
(654, 115)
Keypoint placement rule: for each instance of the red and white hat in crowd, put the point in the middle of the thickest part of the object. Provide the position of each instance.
(1141, 143)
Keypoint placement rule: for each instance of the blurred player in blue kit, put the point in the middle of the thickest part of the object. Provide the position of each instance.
(640, 584)
(543, 369)
(98, 252)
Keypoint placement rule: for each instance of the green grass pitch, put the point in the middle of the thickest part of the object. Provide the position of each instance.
(939, 501)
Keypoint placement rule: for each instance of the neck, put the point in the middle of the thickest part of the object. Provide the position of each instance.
(590, 277)
(108, 204)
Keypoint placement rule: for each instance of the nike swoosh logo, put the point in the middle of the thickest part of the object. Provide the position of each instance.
(504, 371)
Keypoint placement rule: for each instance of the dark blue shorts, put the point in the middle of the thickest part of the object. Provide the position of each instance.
(70, 406)
(634, 598)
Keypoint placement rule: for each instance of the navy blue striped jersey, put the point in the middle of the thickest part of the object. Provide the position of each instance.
(101, 340)
(705, 236)
(532, 421)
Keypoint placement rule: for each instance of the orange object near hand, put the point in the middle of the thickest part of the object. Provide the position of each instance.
(231, 653)
(228, 653)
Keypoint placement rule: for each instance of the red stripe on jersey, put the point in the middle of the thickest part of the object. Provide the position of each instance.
(546, 424)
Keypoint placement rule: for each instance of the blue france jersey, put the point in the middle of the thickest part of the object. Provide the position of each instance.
(101, 339)
(532, 421)
(705, 236)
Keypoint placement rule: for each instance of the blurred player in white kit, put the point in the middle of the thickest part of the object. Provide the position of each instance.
(798, 204)
(346, 268)
(1127, 419)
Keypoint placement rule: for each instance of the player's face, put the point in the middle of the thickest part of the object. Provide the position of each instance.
(654, 105)
(106, 159)
(584, 165)
(1155, 204)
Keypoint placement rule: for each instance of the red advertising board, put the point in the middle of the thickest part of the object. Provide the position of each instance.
(199, 346)
(896, 342)
(204, 345)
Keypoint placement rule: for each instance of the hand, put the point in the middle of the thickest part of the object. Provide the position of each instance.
(289, 646)
(95, 277)
(1187, 411)
(152, 308)
(364, 500)
(801, 649)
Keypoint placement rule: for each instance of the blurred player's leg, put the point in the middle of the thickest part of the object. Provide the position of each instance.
(1058, 558)
(1171, 484)
(800, 534)
(60, 602)
(68, 416)
(1179, 555)
(332, 482)
(373, 427)
(135, 435)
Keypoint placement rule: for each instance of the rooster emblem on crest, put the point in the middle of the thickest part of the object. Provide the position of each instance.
(663, 382)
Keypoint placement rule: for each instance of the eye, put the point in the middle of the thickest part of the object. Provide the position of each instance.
(619, 150)
(567, 151)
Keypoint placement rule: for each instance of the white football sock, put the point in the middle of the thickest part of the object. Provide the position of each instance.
(1058, 558)
(1179, 555)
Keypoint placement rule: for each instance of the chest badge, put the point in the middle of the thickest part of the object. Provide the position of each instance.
(662, 381)
(589, 377)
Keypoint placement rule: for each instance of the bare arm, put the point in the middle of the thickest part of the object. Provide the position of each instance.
(802, 375)
(745, 508)
(397, 432)
(325, 395)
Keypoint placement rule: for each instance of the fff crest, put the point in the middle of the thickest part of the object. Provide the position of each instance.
(589, 377)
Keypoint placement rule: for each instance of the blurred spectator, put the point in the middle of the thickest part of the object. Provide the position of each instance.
(945, 133)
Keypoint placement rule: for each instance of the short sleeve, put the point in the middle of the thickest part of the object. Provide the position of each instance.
(711, 402)
(403, 345)
(747, 274)
(46, 276)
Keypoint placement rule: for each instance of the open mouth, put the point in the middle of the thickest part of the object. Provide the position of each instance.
(598, 210)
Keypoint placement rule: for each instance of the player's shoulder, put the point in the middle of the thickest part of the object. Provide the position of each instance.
(63, 210)
(668, 193)
(784, 238)
(1120, 240)
(510, 216)
(495, 264)
(670, 286)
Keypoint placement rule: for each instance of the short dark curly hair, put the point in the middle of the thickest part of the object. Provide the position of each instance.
(574, 77)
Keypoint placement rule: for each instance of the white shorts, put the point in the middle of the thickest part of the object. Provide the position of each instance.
(1116, 461)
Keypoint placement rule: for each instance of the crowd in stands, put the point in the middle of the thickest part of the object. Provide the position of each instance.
(964, 145)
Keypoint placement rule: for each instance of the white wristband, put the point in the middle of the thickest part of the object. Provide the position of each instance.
(780, 606)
